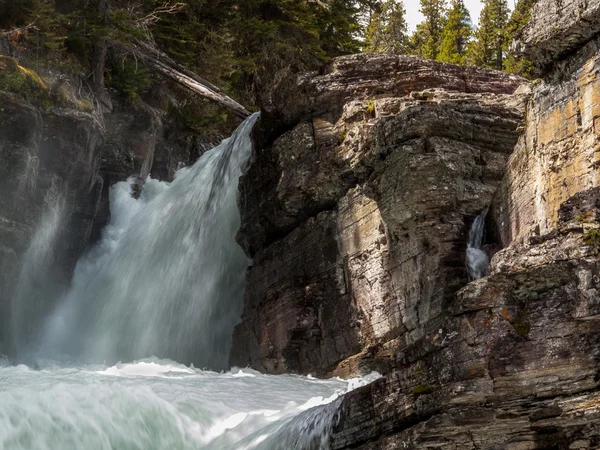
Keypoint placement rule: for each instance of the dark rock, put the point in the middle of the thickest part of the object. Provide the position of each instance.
(57, 165)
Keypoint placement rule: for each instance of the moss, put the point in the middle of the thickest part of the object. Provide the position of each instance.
(592, 237)
(22, 81)
(422, 389)
(521, 325)
(342, 137)
(419, 370)
(371, 108)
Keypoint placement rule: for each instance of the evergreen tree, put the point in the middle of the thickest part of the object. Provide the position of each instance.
(456, 34)
(518, 20)
(387, 30)
(416, 42)
(490, 38)
(429, 33)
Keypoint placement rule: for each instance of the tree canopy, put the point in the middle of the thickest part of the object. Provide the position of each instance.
(244, 46)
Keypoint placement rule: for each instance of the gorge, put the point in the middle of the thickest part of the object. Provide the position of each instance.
(395, 253)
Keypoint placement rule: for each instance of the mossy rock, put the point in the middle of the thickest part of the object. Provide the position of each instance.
(521, 324)
(22, 81)
(422, 389)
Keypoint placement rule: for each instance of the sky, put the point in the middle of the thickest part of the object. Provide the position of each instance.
(414, 17)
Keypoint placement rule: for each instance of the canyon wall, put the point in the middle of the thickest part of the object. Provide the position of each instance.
(356, 212)
(516, 363)
(356, 217)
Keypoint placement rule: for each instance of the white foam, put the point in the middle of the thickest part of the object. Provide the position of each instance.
(159, 404)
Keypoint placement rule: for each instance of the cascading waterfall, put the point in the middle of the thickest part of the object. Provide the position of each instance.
(173, 286)
(477, 260)
(165, 280)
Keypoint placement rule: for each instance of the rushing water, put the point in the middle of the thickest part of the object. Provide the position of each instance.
(165, 281)
(477, 260)
(154, 404)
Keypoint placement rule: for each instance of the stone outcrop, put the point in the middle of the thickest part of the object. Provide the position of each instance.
(356, 211)
(515, 363)
(556, 29)
(356, 218)
(514, 367)
(558, 153)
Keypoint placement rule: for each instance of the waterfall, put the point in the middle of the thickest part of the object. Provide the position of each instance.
(477, 260)
(39, 280)
(167, 279)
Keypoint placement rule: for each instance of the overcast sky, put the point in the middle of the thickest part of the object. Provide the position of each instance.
(414, 16)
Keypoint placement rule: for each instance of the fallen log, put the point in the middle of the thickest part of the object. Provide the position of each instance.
(163, 64)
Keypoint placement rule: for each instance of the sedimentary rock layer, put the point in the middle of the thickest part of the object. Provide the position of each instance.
(357, 218)
(515, 365)
(371, 226)
(556, 29)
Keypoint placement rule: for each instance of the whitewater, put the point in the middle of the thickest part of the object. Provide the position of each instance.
(164, 284)
(158, 404)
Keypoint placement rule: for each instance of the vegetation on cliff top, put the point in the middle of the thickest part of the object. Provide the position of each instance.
(245, 46)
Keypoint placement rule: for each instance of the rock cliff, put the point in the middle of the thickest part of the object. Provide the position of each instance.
(356, 211)
(356, 218)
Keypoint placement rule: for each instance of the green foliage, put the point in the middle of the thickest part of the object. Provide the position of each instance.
(430, 31)
(456, 34)
(592, 237)
(21, 81)
(14, 13)
(490, 38)
(244, 46)
(422, 389)
(371, 108)
(129, 78)
(521, 324)
(387, 30)
(518, 20)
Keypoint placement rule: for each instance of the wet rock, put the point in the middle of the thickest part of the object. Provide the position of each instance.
(58, 159)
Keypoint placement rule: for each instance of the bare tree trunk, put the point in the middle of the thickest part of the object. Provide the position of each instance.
(99, 52)
(167, 60)
(161, 63)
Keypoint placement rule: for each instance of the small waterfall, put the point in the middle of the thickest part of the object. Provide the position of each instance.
(477, 260)
(39, 283)
(167, 280)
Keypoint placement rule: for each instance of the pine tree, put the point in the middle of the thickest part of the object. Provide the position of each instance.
(456, 34)
(518, 20)
(387, 30)
(430, 31)
(490, 38)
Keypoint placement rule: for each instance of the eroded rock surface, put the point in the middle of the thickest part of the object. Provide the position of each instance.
(556, 29)
(356, 218)
(515, 363)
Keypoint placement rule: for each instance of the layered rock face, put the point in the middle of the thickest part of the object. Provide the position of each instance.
(356, 218)
(515, 364)
(357, 215)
